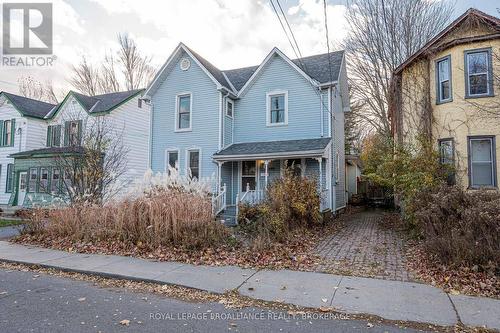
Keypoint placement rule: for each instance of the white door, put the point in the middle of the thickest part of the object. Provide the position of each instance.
(21, 193)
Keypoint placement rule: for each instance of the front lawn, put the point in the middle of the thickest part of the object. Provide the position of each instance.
(7, 222)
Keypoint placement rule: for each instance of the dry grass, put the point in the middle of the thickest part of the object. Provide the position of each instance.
(172, 217)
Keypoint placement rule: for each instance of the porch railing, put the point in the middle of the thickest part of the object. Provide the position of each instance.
(219, 201)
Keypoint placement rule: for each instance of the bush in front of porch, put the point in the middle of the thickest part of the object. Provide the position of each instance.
(291, 203)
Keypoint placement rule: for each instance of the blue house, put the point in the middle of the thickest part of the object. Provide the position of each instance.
(243, 126)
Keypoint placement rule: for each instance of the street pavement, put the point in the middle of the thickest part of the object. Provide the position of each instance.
(393, 300)
(36, 302)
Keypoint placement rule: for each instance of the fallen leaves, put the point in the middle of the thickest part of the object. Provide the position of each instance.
(125, 322)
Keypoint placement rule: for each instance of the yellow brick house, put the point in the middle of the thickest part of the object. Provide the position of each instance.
(449, 91)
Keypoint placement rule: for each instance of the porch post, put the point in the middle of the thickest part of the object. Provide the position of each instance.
(266, 163)
(219, 176)
(320, 162)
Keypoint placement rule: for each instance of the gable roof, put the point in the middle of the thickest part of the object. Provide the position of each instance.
(489, 19)
(315, 69)
(98, 103)
(29, 107)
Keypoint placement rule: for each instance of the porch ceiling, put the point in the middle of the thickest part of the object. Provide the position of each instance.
(274, 149)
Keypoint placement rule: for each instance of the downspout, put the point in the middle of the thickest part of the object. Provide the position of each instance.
(151, 110)
(332, 150)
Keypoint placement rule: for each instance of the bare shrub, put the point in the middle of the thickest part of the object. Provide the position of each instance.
(291, 203)
(460, 228)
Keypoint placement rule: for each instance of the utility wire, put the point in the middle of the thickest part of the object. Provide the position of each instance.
(327, 42)
(284, 29)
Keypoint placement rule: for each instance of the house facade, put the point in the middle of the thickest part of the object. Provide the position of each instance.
(448, 91)
(34, 176)
(241, 127)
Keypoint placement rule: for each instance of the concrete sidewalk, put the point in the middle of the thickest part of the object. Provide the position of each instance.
(388, 299)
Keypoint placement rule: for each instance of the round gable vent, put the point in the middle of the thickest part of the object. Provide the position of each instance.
(185, 63)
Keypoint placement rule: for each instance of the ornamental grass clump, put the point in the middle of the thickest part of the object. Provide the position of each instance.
(165, 210)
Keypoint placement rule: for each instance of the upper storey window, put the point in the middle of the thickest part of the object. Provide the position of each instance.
(183, 113)
(277, 108)
(478, 75)
(443, 69)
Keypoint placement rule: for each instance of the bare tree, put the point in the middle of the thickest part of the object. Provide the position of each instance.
(32, 88)
(383, 34)
(92, 166)
(86, 78)
(122, 69)
(136, 68)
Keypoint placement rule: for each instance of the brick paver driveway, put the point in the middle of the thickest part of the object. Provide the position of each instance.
(364, 247)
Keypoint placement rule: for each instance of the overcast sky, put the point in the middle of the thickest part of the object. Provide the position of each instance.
(229, 33)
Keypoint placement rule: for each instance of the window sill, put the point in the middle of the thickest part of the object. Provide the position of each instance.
(475, 188)
(277, 125)
(444, 102)
(479, 96)
(177, 130)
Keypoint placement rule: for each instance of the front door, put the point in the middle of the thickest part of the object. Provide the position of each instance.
(21, 193)
(248, 176)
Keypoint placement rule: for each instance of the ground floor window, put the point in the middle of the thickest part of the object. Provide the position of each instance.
(248, 170)
(447, 157)
(194, 163)
(173, 159)
(54, 181)
(33, 178)
(9, 183)
(482, 164)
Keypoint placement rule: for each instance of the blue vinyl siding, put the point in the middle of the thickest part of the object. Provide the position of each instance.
(303, 106)
(204, 118)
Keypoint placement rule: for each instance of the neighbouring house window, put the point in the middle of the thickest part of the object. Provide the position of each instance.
(32, 180)
(194, 163)
(66, 182)
(248, 170)
(173, 159)
(9, 183)
(53, 136)
(8, 130)
(277, 108)
(447, 157)
(229, 108)
(54, 181)
(478, 78)
(44, 180)
(184, 112)
(482, 168)
(443, 80)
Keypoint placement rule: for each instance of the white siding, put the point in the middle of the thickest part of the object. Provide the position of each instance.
(8, 112)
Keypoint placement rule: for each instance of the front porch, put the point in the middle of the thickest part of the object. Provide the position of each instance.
(246, 170)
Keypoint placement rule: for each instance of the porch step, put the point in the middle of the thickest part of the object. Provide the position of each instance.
(9, 210)
(228, 216)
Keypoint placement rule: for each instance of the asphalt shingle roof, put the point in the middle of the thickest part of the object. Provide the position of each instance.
(104, 102)
(274, 147)
(315, 66)
(30, 107)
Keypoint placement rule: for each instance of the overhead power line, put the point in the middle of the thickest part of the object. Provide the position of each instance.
(327, 42)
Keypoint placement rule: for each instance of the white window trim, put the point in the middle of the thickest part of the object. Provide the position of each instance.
(176, 125)
(230, 101)
(191, 149)
(268, 107)
(488, 92)
(167, 153)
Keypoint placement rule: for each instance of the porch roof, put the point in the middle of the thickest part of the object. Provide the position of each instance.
(276, 149)
(44, 152)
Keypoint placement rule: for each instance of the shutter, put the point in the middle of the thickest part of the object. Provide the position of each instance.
(49, 136)
(13, 132)
(1, 132)
(66, 133)
(57, 141)
(79, 132)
